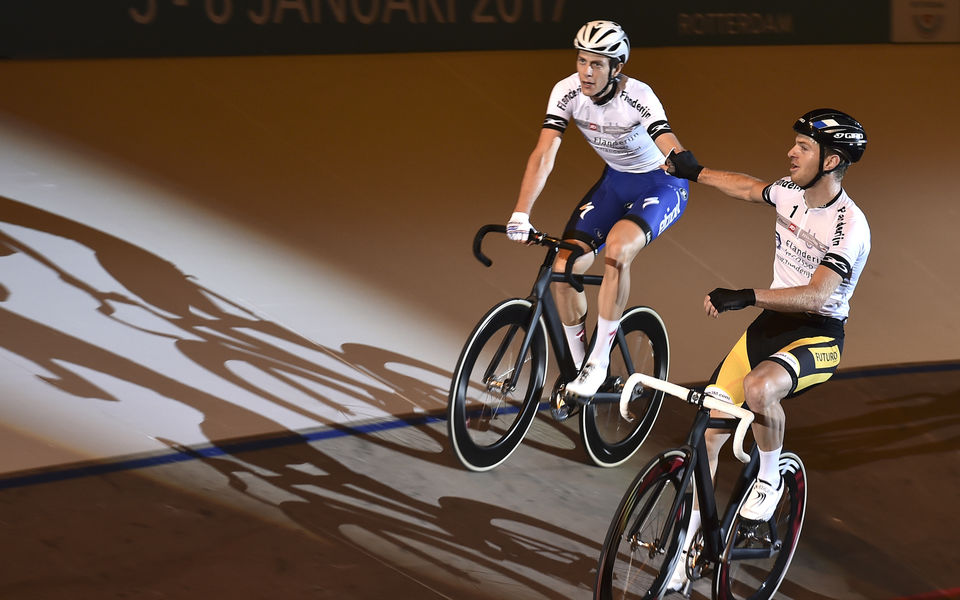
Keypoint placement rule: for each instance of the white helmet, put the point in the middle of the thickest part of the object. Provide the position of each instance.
(605, 38)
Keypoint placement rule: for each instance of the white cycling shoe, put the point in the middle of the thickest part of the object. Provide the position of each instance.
(591, 377)
(762, 500)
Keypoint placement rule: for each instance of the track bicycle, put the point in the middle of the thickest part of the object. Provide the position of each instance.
(646, 538)
(497, 385)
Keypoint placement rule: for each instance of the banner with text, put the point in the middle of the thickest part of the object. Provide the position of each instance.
(143, 28)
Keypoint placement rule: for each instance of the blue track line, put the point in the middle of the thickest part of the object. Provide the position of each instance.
(338, 431)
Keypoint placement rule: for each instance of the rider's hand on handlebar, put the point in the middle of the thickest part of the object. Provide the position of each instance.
(519, 227)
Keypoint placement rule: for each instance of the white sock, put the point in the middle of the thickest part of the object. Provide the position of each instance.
(770, 466)
(692, 528)
(606, 331)
(577, 342)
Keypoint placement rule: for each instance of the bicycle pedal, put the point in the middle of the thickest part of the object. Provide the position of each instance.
(701, 570)
(563, 412)
(560, 409)
(697, 566)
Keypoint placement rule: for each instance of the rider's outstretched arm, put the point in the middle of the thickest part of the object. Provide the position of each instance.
(736, 185)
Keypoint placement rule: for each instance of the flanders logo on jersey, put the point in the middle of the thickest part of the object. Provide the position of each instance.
(825, 358)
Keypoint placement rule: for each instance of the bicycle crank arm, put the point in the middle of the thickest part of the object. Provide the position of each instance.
(600, 397)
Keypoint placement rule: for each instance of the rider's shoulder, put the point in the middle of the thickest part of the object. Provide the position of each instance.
(782, 190)
(636, 88)
(570, 82)
(633, 83)
(787, 184)
(566, 93)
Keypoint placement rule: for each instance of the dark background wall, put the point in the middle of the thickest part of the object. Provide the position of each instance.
(66, 28)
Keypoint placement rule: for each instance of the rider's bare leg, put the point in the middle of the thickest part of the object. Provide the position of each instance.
(571, 304)
(624, 242)
(763, 388)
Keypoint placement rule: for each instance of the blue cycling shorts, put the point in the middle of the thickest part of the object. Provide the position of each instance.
(653, 200)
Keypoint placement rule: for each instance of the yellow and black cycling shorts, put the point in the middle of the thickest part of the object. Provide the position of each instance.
(807, 346)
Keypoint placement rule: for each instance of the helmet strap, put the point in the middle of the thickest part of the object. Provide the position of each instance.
(608, 91)
(820, 171)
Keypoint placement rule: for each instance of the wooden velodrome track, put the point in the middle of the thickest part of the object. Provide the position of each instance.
(232, 292)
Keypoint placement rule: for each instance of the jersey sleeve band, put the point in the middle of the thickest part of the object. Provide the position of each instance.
(766, 194)
(658, 128)
(838, 265)
(555, 122)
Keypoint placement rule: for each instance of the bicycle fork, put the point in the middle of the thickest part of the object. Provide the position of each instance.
(509, 384)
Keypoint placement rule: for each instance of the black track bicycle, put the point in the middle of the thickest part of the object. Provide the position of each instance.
(741, 559)
(499, 379)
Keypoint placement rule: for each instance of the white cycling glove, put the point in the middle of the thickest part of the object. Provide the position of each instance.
(519, 227)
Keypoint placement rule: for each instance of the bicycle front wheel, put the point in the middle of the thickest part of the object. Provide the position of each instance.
(636, 561)
(495, 393)
(757, 555)
(641, 346)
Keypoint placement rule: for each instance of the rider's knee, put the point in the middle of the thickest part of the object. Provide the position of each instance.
(760, 392)
(618, 252)
(580, 266)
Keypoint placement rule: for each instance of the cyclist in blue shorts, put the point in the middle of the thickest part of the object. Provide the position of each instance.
(633, 202)
(822, 244)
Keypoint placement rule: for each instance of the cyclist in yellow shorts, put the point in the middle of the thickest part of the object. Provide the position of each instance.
(822, 243)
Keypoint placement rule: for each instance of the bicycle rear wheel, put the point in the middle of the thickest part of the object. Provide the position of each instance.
(756, 556)
(634, 563)
(641, 346)
(491, 406)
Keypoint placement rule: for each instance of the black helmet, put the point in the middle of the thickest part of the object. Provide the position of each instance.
(835, 130)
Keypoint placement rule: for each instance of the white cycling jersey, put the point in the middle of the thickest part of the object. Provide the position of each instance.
(621, 130)
(836, 236)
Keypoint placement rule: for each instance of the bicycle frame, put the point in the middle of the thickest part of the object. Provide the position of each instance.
(545, 307)
(503, 367)
(713, 527)
(647, 548)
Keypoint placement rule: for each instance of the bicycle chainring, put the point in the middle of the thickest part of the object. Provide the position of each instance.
(696, 565)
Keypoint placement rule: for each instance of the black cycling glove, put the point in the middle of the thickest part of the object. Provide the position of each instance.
(724, 299)
(684, 164)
